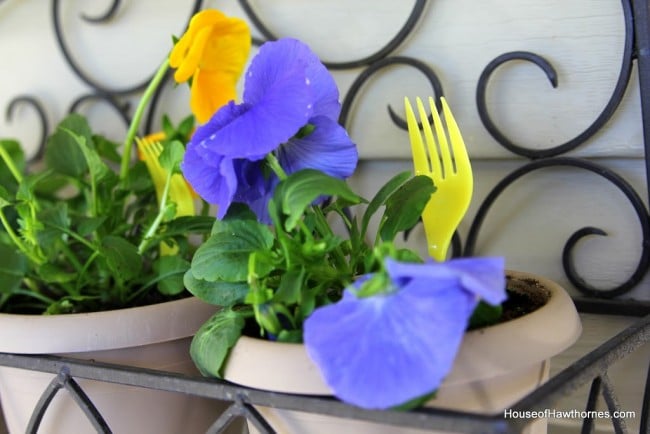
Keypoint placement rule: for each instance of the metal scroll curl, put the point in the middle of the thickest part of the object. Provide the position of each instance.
(383, 52)
(567, 255)
(346, 105)
(607, 112)
(40, 111)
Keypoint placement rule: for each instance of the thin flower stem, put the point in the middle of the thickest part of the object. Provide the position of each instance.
(137, 116)
(161, 213)
(274, 164)
(10, 165)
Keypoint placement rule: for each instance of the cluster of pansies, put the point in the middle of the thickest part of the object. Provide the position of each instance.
(381, 339)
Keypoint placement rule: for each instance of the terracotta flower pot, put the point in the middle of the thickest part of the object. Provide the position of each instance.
(155, 336)
(495, 367)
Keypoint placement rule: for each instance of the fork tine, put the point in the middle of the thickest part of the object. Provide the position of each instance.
(457, 143)
(447, 163)
(432, 147)
(417, 147)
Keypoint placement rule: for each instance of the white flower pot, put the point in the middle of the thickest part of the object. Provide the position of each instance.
(495, 367)
(155, 336)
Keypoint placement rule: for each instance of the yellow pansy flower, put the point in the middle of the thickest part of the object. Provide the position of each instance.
(213, 52)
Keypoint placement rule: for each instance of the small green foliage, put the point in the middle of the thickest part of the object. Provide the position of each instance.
(70, 232)
(280, 275)
(214, 339)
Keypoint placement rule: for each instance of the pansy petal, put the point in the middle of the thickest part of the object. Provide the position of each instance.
(327, 148)
(404, 345)
(261, 128)
(210, 91)
(484, 277)
(193, 56)
(271, 65)
(228, 47)
(215, 179)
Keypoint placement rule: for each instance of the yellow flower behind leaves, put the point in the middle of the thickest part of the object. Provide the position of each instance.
(213, 52)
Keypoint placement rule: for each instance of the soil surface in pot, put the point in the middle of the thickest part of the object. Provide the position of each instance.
(524, 296)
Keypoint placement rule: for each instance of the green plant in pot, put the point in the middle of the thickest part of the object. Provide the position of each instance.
(94, 229)
(94, 244)
(382, 324)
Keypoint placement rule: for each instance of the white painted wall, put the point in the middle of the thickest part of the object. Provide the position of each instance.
(583, 39)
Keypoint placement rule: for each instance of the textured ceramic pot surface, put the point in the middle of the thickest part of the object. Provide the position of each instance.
(156, 337)
(495, 367)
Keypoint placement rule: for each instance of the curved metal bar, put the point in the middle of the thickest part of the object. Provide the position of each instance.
(567, 262)
(380, 64)
(601, 120)
(396, 41)
(122, 110)
(33, 102)
(64, 381)
(155, 99)
(106, 16)
(65, 50)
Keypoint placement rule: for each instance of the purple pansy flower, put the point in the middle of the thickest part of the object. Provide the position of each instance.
(381, 351)
(286, 88)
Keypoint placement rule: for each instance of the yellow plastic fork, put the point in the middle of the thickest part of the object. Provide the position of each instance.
(448, 167)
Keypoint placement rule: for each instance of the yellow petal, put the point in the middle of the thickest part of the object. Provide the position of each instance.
(202, 19)
(190, 63)
(228, 47)
(210, 91)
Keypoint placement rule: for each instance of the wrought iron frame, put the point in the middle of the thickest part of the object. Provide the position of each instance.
(593, 367)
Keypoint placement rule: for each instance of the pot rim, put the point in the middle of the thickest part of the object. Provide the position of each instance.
(479, 356)
(105, 330)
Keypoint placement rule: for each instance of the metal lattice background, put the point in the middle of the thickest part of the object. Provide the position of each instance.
(592, 368)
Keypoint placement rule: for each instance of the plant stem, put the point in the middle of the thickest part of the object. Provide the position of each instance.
(274, 164)
(10, 165)
(137, 116)
(18, 242)
(161, 212)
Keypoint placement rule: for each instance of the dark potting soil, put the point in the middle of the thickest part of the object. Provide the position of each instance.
(524, 296)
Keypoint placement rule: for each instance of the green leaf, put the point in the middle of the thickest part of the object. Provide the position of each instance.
(62, 153)
(52, 274)
(213, 341)
(5, 198)
(236, 211)
(99, 171)
(301, 188)
(224, 256)
(170, 274)
(219, 292)
(291, 285)
(484, 315)
(405, 205)
(384, 192)
(121, 257)
(171, 156)
(88, 225)
(17, 157)
(12, 269)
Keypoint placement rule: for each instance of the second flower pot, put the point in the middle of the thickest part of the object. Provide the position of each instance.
(494, 368)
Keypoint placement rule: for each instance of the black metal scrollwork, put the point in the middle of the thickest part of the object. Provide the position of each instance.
(542, 158)
(396, 41)
(33, 102)
(577, 280)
